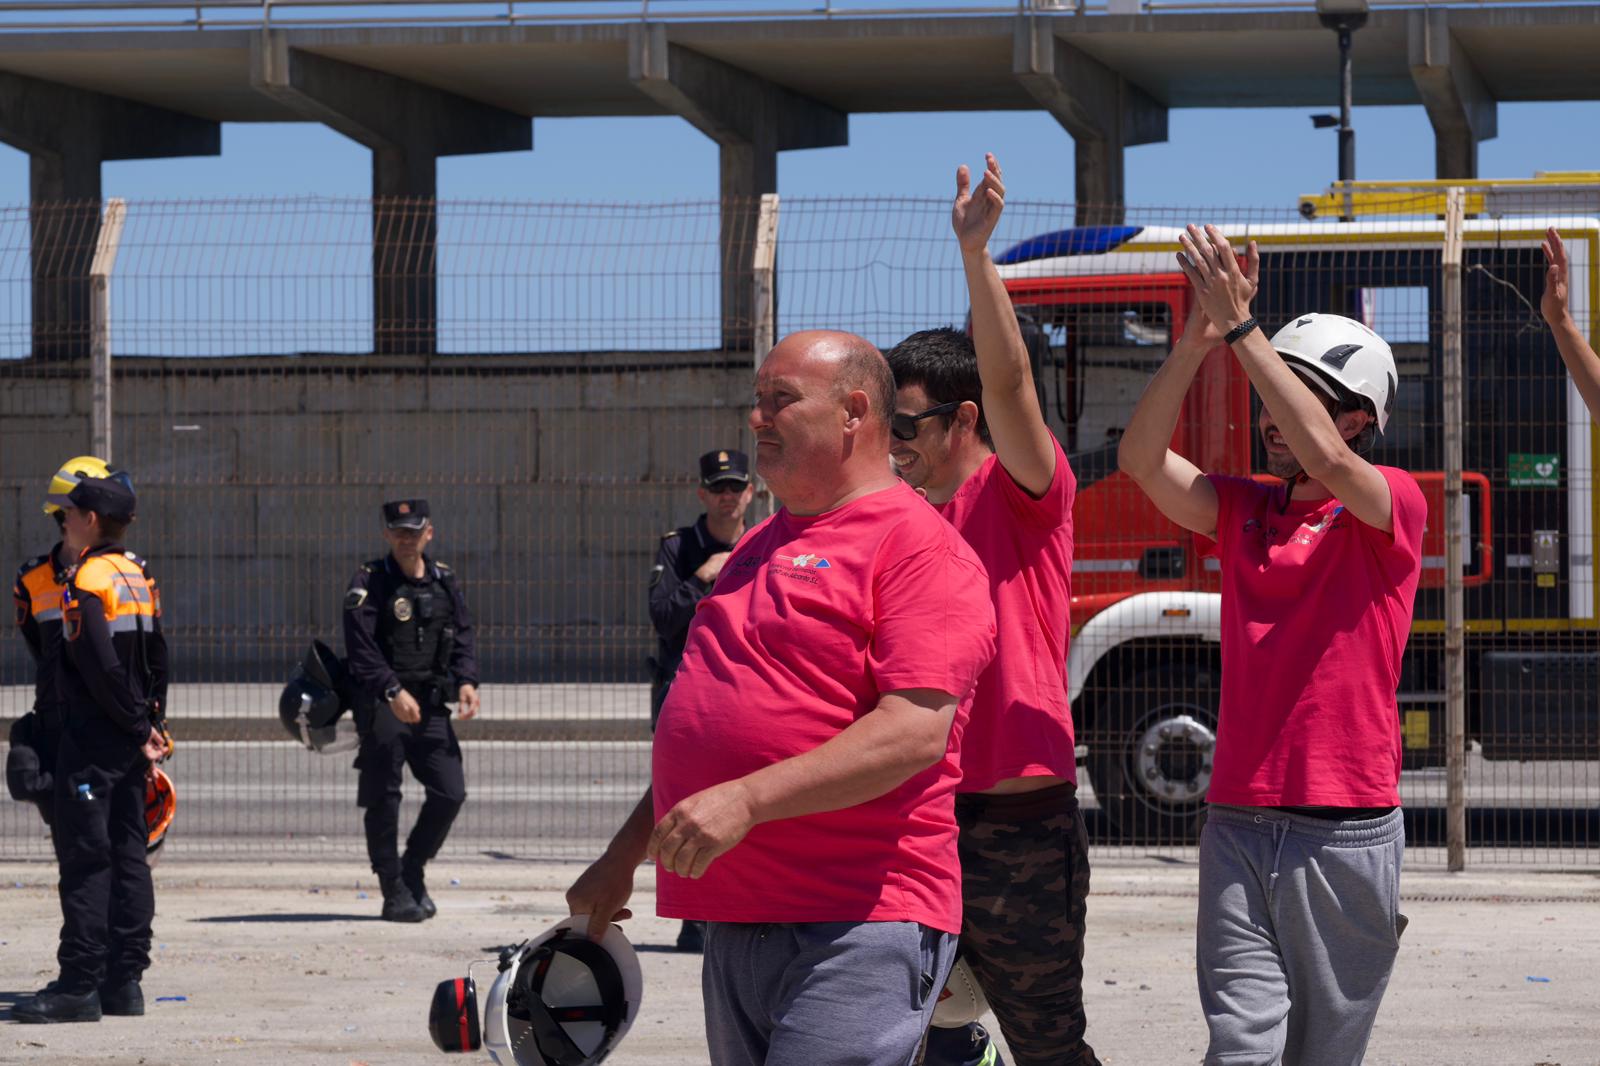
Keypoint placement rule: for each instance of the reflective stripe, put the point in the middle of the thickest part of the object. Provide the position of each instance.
(50, 614)
(139, 593)
(128, 623)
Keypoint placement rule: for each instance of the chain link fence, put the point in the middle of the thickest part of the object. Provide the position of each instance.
(547, 375)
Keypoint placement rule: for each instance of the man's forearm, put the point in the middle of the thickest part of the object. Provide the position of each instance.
(1582, 363)
(1002, 357)
(1149, 432)
(632, 839)
(874, 755)
(1299, 415)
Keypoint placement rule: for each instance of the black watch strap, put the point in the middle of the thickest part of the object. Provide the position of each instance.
(1242, 330)
(393, 691)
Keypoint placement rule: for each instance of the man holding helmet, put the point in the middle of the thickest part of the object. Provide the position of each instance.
(1300, 855)
(410, 653)
(803, 772)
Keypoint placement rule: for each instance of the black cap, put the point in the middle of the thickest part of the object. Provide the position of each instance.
(107, 497)
(724, 465)
(405, 514)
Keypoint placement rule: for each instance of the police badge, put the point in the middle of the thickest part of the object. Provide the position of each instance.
(402, 609)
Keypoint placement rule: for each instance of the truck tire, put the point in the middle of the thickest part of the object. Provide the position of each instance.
(1151, 773)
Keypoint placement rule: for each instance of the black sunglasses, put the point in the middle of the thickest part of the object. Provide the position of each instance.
(720, 488)
(904, 427)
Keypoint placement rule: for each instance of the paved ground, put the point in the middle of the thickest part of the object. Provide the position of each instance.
(284, 963)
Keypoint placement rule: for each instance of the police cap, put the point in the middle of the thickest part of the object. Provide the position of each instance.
(405, 514)
(107, 497)
(724, 465)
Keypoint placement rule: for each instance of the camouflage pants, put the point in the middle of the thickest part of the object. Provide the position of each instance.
(1025, 883)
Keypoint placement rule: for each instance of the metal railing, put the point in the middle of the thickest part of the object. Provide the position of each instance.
(36, 15)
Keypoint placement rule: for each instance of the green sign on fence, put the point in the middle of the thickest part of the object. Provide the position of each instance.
(1529, 471)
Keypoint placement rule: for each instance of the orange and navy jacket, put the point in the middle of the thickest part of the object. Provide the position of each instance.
(115, 668)
(37, 593)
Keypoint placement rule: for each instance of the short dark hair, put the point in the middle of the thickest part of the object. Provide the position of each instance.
(112, 529)
(864, 367)
(944, 362)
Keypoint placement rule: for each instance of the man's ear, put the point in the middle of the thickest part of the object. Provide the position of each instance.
(857, 406)
(967, 416)
(1351, 423)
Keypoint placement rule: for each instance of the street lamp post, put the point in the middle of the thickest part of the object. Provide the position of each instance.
(1344, 17)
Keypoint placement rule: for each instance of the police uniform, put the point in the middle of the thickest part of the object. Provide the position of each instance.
(416, 635)
(113, 683)
(36, 736)
(674, 590)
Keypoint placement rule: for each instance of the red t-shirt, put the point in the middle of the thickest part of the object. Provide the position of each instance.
(1316, 609)
(1021, 721)
(812, 619)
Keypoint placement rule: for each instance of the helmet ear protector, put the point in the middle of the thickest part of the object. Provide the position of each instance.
(453, 1016)
(560, 999)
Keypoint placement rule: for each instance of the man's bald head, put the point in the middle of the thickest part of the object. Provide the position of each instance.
(849, 362)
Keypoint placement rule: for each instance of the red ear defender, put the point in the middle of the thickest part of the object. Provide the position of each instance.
(453, 1017)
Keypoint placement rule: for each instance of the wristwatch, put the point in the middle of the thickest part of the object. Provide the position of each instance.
(391, 693)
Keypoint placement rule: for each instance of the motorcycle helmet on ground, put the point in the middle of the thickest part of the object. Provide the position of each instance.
(313, 703)
(560, 1000)
(160, 804)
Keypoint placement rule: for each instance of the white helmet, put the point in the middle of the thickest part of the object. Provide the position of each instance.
(962, 1001)
(1343, 351)
(562, 999)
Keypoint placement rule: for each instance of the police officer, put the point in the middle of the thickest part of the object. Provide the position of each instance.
(36, 736)
(113, 682)
(409, 644)
(687, 565)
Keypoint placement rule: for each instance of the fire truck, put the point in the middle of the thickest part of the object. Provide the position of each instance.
(1102, 306)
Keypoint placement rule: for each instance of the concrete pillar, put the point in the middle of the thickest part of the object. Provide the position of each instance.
(408, 126)
(1104, 113)
(752, 120)
(67, 134)
(1459, 104)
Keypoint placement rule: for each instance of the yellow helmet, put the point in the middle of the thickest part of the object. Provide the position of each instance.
(79, 467)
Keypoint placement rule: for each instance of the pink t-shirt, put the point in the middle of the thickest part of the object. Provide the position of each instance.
(1021, 721)
(1316, 609)
(812, 619)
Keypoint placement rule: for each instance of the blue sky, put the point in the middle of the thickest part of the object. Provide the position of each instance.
(1214, 158)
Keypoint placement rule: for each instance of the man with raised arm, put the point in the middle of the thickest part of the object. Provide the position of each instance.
(969, 434)
(1300, 855)
(1582, 363)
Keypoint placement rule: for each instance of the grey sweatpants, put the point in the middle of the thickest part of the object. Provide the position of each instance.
(841, 993)
(1298, 930)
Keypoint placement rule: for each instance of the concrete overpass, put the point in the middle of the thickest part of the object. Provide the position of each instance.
(74, 98)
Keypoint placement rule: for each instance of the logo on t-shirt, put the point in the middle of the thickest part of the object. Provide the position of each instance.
(802, 567)
(801, 562)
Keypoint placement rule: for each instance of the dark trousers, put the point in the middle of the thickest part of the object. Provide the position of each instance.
(431, 750)
(107, 898)
(1024, 887)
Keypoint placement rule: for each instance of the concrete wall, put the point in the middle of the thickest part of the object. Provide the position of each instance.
(551, 478)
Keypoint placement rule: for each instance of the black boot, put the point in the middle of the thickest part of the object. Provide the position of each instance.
(125, 999)
(398, 904)
(48, 1008)
(419, 891)
(692, 938)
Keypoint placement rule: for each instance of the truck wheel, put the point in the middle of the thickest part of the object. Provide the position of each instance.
(1152, 770)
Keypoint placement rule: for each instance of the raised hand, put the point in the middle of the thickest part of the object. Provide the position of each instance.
(1554, 304)
(1223, 292)
(976, 211)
